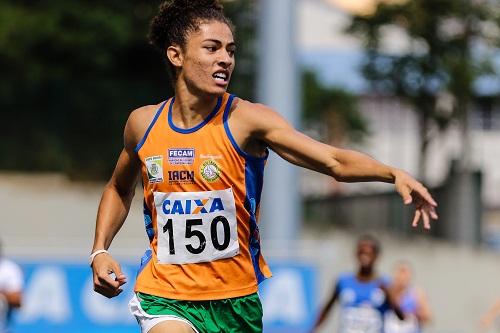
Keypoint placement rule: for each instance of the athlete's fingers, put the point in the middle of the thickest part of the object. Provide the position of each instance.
(106, 280)
(106, 288)
(425, 217)
(416, 218)
(432, 212)
(405, 193)
(107, 292)
(119, 276)
(424, 193)
(121, 280)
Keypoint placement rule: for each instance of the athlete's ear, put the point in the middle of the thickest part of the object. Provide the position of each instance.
(174, 55)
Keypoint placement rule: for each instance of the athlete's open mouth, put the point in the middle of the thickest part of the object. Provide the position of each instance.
(221, 77)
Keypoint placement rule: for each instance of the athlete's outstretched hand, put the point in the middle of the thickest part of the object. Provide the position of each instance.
(103, 268)
(414, 192)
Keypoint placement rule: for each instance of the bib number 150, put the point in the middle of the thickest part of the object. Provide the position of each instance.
(195, 227)
(192, 232)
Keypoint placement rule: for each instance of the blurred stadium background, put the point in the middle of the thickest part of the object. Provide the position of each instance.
(414, 83)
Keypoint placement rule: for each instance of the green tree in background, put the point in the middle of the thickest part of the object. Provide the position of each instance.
(332, 111)
(73, 70)
(438, 72)
(71, 73)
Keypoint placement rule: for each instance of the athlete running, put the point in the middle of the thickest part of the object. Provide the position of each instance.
(412, 301)
(11, 290)
(363, 296)
(200, 156)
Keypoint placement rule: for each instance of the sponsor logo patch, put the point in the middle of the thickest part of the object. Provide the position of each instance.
(196, 206)
(154, 166)
(181, 156)
(210, 156)
(210, 171)
(181, 177)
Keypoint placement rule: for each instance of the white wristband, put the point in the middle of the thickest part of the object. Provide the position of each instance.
(94, 254)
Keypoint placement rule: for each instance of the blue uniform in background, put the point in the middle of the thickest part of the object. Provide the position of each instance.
(363, 304)
(409, 306)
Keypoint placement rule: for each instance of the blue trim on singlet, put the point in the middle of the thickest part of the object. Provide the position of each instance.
(230, 135)
(160, 109)
(254, 180)
(148, 224)
(197, 127)
(148, 255)
(148, 221)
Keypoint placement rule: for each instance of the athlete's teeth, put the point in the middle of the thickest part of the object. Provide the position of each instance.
(220, 76)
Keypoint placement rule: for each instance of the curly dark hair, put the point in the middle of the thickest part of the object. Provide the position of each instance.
(177, 18)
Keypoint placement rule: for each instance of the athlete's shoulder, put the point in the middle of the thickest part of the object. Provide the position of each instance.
(345, 277)
(251, 108)
(138, 123)
(259, 117)
(143, 115)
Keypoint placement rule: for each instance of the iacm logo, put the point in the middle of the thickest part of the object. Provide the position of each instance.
(181, 175)
(190, 206)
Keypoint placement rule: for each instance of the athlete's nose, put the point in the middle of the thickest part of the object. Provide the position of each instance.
(225, 59)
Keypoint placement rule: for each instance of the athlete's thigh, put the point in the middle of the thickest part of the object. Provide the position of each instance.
(171, 326)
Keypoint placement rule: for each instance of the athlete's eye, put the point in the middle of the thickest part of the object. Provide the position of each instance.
(211, 48)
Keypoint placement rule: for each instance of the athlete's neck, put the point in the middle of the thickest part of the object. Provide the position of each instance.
(191, 108)
(366, 274)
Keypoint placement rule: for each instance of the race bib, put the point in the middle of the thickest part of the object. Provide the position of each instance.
(196, 227)
(360, 320)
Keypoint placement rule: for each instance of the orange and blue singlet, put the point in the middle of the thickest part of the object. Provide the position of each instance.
(201, 202)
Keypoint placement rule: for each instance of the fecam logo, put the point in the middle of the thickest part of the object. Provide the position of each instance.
(181, 156)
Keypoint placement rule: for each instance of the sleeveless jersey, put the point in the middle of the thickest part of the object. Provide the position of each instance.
(363, 304)
(201, 200)
(409, 305)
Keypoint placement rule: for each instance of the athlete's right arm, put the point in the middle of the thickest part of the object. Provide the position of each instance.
(115, 204)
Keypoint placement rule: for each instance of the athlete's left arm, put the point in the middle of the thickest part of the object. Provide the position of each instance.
(342, 164)
(393, 303)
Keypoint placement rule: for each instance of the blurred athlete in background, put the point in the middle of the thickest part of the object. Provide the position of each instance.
(11, 286)
(363, 296)
(411, 300)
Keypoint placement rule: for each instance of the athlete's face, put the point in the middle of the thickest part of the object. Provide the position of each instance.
(402, 275)
(366, 254)
(208, 58)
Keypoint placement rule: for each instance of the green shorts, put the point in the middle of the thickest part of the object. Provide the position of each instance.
(232, 315)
